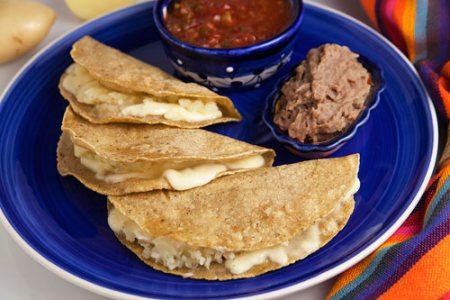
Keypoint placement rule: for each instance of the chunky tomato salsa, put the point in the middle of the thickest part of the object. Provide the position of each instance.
(227, 23)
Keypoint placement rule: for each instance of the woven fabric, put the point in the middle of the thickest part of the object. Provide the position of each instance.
(414, 263)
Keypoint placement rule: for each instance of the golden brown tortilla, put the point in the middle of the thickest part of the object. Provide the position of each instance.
(129, 143)
(219, 272)
(246, 211)
(121, 72)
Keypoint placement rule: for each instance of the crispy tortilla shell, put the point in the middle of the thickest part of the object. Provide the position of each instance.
(246, 211)
(121, 72)
(128, 143)
(330, 227)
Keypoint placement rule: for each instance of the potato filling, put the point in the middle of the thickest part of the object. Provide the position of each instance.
(176, 254)
(180, 175)
(88, 90)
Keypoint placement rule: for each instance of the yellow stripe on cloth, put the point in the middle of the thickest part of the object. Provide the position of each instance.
(407, 27)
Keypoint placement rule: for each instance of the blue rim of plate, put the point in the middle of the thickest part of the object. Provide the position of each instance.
(288, 288)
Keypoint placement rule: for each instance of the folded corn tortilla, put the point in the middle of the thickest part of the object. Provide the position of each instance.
(240, 225)
(117, 159)
(105, 85)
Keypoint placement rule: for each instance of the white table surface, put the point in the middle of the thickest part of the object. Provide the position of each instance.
(21, 278)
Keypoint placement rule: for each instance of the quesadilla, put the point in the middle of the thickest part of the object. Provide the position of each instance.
(240, 225)
(118, 159)
(105, 85)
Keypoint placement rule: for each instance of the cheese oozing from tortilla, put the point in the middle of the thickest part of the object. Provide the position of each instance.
(202, 174)
(176, 254)
(184, 110)
(88, 90)
(181, 176)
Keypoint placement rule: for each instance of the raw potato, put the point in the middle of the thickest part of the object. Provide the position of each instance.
(87, 9)
(23, 24)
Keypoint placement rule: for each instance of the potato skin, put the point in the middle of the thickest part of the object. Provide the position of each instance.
(23, 25)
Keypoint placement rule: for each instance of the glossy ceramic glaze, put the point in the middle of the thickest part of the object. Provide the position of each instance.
(63, 225)
(326, 148)
(230, 69)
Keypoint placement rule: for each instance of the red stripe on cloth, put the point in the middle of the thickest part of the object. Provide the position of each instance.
(389, 24)
(408, 230)
(444, 87)
(412, 219)
(446, 296)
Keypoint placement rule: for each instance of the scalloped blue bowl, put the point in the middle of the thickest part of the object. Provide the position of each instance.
(326, 148)
(231, 69)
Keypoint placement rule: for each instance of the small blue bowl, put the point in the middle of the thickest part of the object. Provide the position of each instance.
(229, 69)
(326, 148)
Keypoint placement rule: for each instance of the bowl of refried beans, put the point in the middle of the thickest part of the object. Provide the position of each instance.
(322, 104)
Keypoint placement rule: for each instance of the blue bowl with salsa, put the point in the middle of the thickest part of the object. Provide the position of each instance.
(228, 44)
(328, 147)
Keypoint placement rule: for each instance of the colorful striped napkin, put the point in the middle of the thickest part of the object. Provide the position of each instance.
(415, 262)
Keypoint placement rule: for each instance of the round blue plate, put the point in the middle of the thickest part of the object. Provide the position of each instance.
(63, 225)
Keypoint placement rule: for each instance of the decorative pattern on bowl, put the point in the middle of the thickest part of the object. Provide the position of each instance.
(326, 148)
(253, 79)
(234, 68)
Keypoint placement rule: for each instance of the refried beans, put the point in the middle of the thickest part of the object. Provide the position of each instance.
(325, 96)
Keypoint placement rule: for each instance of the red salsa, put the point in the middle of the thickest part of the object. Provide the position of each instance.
(227, 23)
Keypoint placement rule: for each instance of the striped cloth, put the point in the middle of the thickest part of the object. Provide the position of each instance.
(414, 263)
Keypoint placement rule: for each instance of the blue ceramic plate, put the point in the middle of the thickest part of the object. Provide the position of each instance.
(63, 225)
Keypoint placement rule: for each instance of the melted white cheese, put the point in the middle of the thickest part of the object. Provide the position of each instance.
(300, 246)
(103, 170)
(119, 223)
(88, 90)
(184, 110)
(191, 177)
(200, 175)
(244, 262)
(181, 178)
(251, 162)
(148, 107)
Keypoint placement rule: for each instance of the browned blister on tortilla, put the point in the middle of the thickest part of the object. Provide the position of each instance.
(139, 143)
(120, 72)
(246, 212)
